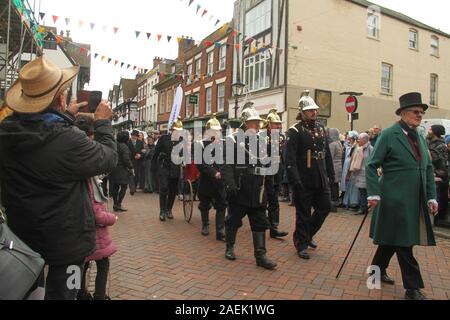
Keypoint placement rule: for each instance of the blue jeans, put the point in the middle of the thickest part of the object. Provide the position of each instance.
(363, 205)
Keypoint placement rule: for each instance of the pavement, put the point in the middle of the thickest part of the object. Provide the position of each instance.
(173, 261)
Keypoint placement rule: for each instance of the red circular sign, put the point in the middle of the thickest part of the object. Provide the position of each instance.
(351, 104)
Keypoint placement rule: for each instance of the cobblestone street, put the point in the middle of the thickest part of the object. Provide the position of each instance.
(172, 260)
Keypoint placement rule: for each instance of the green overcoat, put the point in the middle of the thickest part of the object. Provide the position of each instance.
(405, 187)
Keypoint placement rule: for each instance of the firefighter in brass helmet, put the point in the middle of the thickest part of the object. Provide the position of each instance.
(310, 170)
(211, 190)
(168, 172)
(273, 125)
(245, 186)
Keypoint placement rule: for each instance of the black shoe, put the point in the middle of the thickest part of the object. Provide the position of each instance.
(84, 296)
(162, 216)
(121, 209)
(205, 230)
(360, 213)
(387, 280)
(116, 209)
(220, 236)
(229, 253)
(274, 233)
(101, 297)
(414, 294)
(312, 244)
(304, 255)
(169, 215)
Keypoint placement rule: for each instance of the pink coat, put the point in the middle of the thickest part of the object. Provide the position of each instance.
(105, 247)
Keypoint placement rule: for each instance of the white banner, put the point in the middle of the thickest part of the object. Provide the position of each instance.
(176, 108)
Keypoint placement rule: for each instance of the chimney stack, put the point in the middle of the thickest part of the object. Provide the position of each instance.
(185, 44)
(156, 61)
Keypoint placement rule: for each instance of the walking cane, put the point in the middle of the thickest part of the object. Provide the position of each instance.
(354, 241)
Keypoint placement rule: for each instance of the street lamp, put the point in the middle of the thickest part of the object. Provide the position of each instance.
(238, 89)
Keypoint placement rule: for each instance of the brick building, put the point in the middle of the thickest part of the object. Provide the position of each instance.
(208, 74)
(170, 77)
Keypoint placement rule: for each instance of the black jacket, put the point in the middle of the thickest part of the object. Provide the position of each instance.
(45, 164)
(136, 150)
(162, 161)
(121, 174)
(208, 184)
(439, 156)
(300, 140)
(251, 189)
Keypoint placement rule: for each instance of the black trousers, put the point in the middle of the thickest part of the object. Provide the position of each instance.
(273, 208)
(307, 225)
(101, 279)
(412, 279)
(118, 192)
(58, 278)
(256, 216)
(212, 199)
(442, 199)
(168, 188)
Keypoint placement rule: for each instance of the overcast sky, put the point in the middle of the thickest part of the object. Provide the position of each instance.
(174, 18)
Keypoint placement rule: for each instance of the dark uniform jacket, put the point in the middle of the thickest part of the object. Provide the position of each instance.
(244, 179)
(121, 174)
(162, 158)
(301, 138)
(208, 184)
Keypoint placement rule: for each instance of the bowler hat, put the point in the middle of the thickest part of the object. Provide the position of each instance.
(409, 100)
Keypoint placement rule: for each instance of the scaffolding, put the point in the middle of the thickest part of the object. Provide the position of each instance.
(19, 39)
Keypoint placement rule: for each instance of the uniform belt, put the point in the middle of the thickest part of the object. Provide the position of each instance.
(252, 171)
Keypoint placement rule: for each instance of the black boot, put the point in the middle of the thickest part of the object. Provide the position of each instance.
(162, 206)
(230, 236)
(205, 223)
(259, 243)
(274, 233)
(220, 225)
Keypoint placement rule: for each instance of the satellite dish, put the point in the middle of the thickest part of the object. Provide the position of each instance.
(176, 108)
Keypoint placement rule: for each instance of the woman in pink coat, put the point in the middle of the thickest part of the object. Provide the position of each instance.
(105, 247)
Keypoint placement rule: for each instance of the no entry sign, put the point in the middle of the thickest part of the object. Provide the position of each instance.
(351, 104)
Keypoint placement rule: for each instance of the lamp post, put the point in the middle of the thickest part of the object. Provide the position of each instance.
(238, 88)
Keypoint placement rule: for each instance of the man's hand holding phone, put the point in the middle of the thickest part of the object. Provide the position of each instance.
(104, 111)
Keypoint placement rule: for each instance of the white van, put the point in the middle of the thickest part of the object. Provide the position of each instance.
(426, 125)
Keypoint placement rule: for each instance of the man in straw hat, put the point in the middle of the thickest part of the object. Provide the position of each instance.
(273, 124)
(168, 172)
(401, 222)
(211, 191)
(245, 186)
(44, 165)
(310, 170)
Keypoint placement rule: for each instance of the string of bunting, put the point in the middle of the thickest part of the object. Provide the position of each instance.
(249, 42)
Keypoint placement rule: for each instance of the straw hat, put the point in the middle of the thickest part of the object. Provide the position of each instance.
(40, 82)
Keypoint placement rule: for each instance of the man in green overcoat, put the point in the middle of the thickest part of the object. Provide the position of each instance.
(403, 196)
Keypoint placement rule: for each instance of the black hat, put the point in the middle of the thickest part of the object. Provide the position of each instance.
(409, 100)
(438, 130)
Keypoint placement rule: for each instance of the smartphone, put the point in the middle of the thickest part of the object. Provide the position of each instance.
(93, 98)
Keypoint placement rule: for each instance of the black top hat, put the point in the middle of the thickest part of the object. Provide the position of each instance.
(409, 100)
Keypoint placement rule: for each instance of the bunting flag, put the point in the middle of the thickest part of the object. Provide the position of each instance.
(190, 2)
(95, 55)
(179, 39)
(115, 30)
(169, 38)
(42, 15)
(137, 34)
(122, 64)
(92, 25)
(159, 37)
(204, 12)
(116, 62)
(55, 18)
(103, 58)
(149, 35)
(80, 24)
(67, 21)
(109, 60)
(198, 8)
